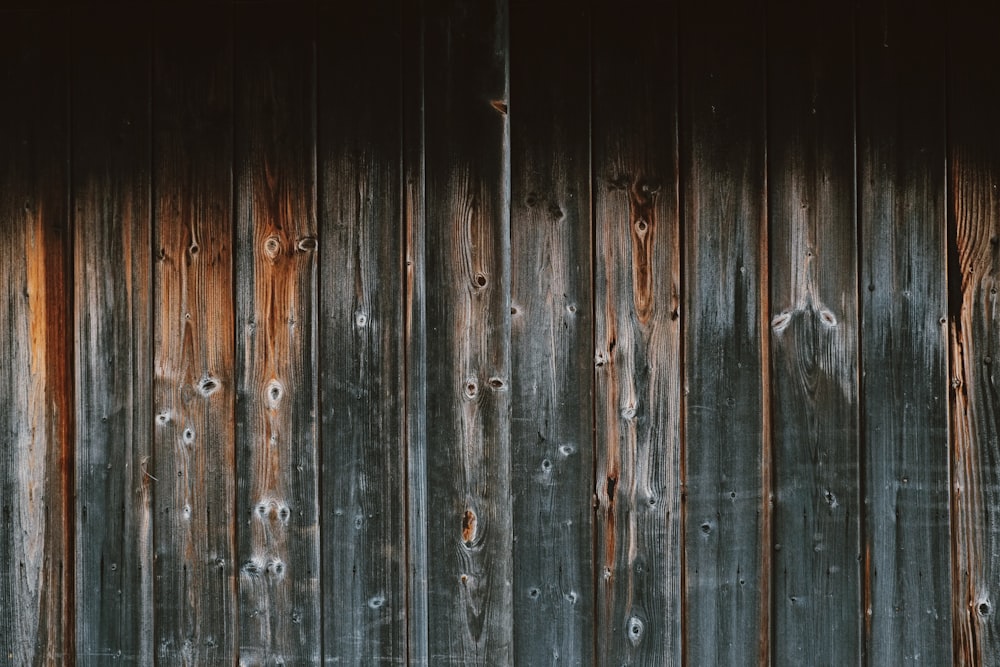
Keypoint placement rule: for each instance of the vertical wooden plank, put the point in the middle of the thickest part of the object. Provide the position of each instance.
(973, 264)
(276, 343)
(36, 374)
(814, 334)
(363, 400)
(551, 335)
(637, 287)
(194, 383)
(901, 157)
(726, 410)
(111, 188)
(468, 320)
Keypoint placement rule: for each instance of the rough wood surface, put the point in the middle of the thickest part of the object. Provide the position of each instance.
(551, 336)
(468, 325)
(112, 281)
(637, 325)
(361, 303)
(276, 340)
(727, 467)
(194, 389)
(814, 335)
(37, 389)
(901, 155)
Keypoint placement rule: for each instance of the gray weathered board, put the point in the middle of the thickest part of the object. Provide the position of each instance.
(506, 332)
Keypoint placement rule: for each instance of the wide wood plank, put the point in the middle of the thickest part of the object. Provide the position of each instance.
(112, 280)
(195, 383)
(973, 266)
(361, 326)
(468, 323)
(727, 468)
(36, 345)
(276, 341)
(901, 155)
(814, 334)
(637, 322)
(551, 335)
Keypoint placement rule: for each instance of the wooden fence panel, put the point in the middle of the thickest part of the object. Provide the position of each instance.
(901, 156)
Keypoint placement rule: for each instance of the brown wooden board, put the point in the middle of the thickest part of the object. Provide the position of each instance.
(194, 386)
(727, 467)
(904, 388)
(637, 327)
(973, 263)
(277, 356)
(814, 334)
(551, 335)
(468, 327)
(361, 326)
(36, 346)
(112, 281)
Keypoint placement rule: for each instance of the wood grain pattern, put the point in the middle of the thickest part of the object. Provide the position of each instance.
(194, 389)
(973, 263)
(36, 424)
(468, 326)
(727, 467)
(551, 336)
(276, 343)
(814, 335)
(901, 156)
(637, 322)
(112, 282)
(363, 400)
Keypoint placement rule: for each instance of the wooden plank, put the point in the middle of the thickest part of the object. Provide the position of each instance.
(468, 324)
(814, 335)
(973, 263)
(194, 383)
(113, 266)
(727, 464)
(901, 155)
(637, 321)
(361, 303)
(276, 342)
(36, 345)
(551, 335)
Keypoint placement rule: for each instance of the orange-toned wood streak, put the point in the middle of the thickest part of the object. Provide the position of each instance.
(194, 383)
(276, 340)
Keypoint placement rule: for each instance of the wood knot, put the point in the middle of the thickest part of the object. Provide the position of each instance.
(471, 388)
(272, 247)
(469, 527)
(208, 385)
(635, 628)
(307, 244)
(274, 393)
(500, 106)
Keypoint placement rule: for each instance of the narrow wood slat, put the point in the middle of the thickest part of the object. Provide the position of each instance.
(468, 325)
(814, 335)
(361, 327)
(637, 311)
(36, 375)
(726, 409)
(112, 280)
(551, 335)
(901, 154)
(973, 263)
(276, 342)
(194, 383)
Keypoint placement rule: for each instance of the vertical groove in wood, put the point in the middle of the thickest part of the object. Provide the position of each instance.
(110, 193)
(901, 157)
(362, 322)
(637, 290)
(814, 320)
(36, 425)
(551, 335)
(973, 264)
(468, 324)
(727, 511)
(194, 384)
(276, 348)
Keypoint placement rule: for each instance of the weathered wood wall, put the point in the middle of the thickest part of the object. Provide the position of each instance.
(534, 332)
